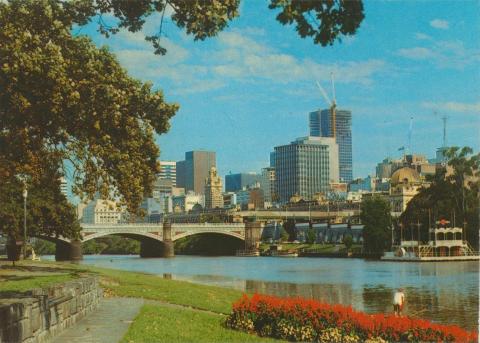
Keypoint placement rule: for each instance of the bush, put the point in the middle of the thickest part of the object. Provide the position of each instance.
(297, 319)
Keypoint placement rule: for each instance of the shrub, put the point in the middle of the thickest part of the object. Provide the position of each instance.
(297, 319)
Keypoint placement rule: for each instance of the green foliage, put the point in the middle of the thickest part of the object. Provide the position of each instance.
(452, 196)
(284, 236)
(48, 211)
(208, 244)
(377, 221)
(348, 241)
(111, 245)
(323, 20)
(63, 99)
(311, 236)
(43, 247)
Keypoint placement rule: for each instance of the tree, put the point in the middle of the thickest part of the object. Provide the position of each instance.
(324, 20)
(63, 99)
(311, 235)
(377, 222)
(48, 212)
(451, 195)
(348, 241)
(284, 236)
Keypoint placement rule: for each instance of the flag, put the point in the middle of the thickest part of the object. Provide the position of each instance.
(402, 148)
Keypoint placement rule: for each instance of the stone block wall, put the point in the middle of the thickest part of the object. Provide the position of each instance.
(42, 313)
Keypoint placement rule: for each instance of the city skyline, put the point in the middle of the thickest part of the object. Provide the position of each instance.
(259, 79)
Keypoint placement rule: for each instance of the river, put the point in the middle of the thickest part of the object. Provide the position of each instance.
(444, 292)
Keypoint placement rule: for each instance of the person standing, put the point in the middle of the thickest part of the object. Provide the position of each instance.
(398, 302)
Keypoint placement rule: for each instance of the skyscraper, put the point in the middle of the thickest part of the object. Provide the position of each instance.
(192, 173)
(213, 190)
(168, 171)
(320, 123)
(305, 167)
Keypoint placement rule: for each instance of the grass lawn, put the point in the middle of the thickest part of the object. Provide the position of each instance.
(27, 275)
(138, 285)
(156, 323)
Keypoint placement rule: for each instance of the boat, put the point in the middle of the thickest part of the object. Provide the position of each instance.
(445, 244)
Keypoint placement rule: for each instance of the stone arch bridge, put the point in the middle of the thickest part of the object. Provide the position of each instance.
(156, 238)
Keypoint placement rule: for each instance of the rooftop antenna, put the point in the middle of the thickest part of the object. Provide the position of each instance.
(444, 119)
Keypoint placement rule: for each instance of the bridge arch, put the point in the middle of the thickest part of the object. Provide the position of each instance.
(139, 236)
(199, 232)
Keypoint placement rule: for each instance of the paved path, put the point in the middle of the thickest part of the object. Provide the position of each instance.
(107, 324)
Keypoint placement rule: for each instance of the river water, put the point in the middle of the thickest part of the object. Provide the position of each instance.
(444, 292)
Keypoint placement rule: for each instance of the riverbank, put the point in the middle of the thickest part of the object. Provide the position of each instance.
(175, 311)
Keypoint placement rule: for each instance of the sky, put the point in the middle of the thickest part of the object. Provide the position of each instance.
(251, 88)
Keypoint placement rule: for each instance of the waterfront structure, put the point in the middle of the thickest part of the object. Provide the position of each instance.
(236, 182)
(213, 190)
(168, 171)
(100, 211)
(267, 184)
(194, 170)
(305, 167)
(320, 123)
(404, 185)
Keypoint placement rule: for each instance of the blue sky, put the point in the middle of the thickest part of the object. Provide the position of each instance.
(251, 87)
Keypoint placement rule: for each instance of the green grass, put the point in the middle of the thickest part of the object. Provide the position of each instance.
(20, 284)
(157, 323)
(138, 285)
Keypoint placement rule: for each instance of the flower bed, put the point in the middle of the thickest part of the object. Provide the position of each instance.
(297, 319)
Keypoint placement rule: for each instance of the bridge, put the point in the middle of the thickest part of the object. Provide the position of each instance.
(156, 239)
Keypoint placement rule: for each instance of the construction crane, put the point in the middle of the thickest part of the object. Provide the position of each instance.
(332, 104)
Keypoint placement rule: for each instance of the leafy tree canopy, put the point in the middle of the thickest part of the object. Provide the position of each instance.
(323, 20)
(377, 221)
(61, 98)
(48, 212)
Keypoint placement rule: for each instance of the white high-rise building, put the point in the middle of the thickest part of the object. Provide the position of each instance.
(168, 171)
(101, 211)
(305, 167)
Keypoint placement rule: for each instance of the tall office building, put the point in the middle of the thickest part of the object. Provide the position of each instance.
(268, 184)
(180, 174)
(168, 171)
(192, 173)
(213, 190)
(236, 182)
(320, 123)
(305, 167)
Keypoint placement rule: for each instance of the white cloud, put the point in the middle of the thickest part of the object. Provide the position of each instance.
(445, 54)
(422, 36)
(453, 106)
(439, 24)
(416, 53)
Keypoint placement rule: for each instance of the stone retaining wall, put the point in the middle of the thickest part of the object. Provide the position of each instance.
(42, 313)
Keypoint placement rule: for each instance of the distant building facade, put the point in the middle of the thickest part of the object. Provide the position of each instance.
(168, 171)
(101, 211)
(267, 184)
(186, 202)
(236, 182)
(213, 190)
(305, 167)
(193, 171)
